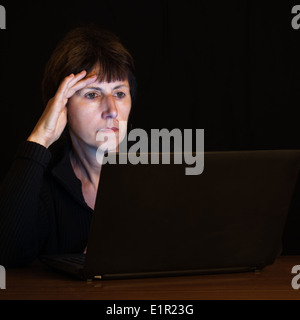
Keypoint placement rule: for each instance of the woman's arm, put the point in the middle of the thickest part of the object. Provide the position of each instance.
(19, 194)
(20, 203)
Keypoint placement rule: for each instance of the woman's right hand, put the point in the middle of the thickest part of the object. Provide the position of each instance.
(54, 118)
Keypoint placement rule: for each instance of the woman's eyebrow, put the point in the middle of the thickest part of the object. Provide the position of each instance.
(101, 90)
(120, 86)
(93, 88)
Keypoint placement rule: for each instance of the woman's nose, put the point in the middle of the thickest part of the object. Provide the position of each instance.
(110, 109)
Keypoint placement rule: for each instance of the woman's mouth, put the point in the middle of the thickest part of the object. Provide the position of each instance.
(114, 129)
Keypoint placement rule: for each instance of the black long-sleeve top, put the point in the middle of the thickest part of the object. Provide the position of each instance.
(42, 209)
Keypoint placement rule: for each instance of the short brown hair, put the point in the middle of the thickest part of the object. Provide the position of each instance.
(82, 49)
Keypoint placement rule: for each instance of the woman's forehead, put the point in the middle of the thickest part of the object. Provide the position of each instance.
(107, 86)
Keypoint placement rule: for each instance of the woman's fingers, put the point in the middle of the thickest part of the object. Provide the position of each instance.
(80, 84)
(73, 83)
(64, 85)
(76, 78)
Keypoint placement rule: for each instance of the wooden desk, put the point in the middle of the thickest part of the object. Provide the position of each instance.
(37, 282)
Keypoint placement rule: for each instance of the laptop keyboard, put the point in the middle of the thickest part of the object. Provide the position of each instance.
(75, 259)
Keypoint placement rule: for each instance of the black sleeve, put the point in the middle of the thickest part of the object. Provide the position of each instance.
(19, 203)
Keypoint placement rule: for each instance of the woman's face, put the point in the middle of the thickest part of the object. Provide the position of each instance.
(97, 113)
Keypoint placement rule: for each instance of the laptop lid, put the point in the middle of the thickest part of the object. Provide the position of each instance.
(153, 219)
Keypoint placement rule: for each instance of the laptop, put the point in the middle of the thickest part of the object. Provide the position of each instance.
(153, 220)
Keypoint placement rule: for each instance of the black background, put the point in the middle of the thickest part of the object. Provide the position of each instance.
(229, 67)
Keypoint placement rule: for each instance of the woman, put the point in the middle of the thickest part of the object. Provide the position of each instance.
(48, 196)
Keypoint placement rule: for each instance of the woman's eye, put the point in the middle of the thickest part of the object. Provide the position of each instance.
(91, 95)
(120, 95)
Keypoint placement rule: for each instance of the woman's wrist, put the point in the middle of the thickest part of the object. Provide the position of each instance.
(35, 138)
